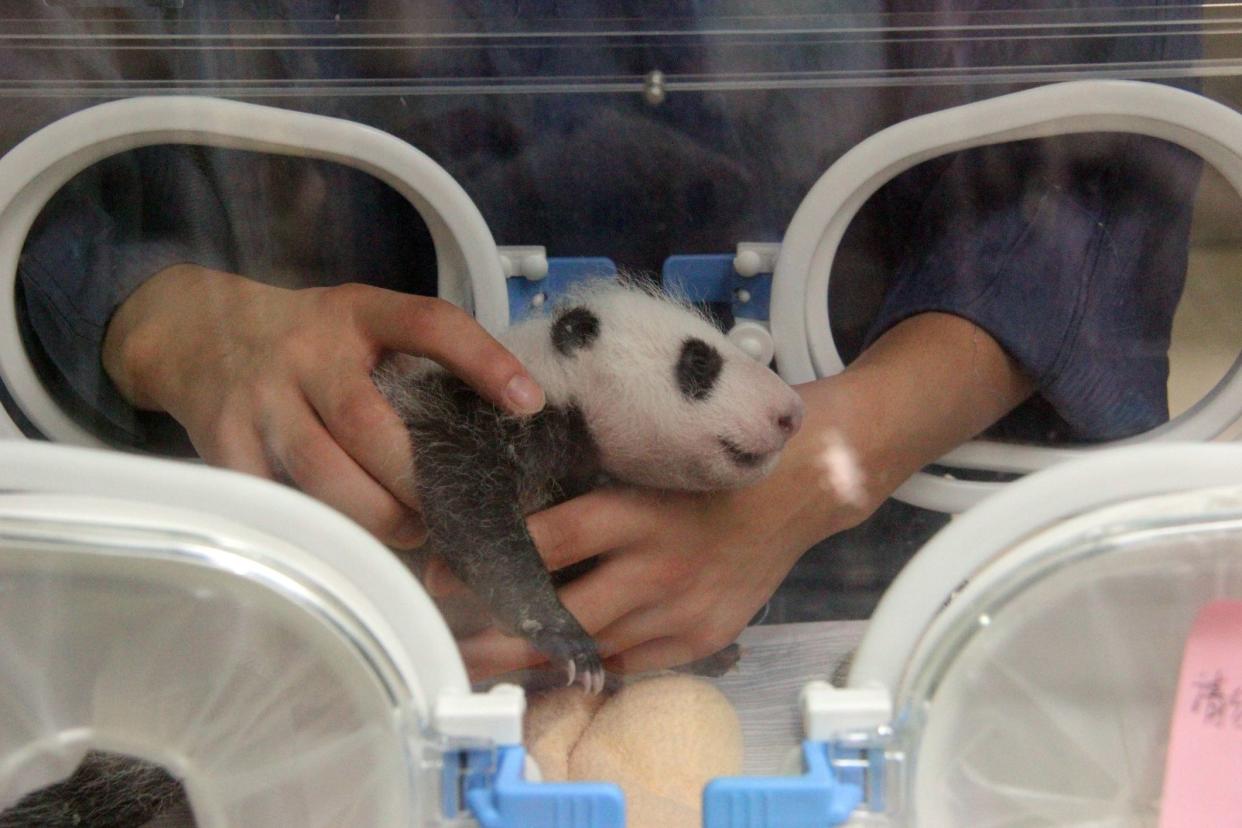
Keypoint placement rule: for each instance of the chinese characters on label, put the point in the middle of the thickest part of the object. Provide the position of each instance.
(1217, 701)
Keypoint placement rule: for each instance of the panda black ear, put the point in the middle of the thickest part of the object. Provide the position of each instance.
(575, 329)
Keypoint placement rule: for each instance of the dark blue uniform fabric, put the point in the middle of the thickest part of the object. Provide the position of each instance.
(1071, 252)
(1077, 278)
(114, 226)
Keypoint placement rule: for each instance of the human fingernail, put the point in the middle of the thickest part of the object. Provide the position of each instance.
(523, 395)
(411, 531)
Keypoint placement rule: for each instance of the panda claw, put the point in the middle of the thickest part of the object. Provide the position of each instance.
(578, 656)
(587, 670)
(593, 677)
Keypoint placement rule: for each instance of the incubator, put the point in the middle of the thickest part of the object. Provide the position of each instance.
(1066, 176)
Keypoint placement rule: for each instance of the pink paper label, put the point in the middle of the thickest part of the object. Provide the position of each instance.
(1203, 771)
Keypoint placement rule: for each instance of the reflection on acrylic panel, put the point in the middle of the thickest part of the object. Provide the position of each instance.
(1207, 330)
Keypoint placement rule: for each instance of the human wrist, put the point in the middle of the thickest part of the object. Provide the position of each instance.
(930, 384)
(843, 451)
(820, 486)
(136, 348)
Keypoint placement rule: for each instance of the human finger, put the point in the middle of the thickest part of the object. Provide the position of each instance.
(362, 423)
(606, 594)
(321, 468)
(493, 653)
(635, 628)
(439, 580)
(445, 333)
(685, 630)
(465, 615)
(658, 654)
(235, 444)
(597, 522)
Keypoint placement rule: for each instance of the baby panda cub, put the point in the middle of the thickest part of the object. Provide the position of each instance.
(640, 390)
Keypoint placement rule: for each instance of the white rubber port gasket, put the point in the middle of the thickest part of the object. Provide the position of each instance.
(804, 346)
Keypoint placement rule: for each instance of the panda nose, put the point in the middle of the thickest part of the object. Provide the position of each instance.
(789, 420)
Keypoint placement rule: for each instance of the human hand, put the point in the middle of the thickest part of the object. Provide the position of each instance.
(277, 382)
(678, 574)
(681, 574)
(679, 577)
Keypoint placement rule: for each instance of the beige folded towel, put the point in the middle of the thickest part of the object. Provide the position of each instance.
(661, 739)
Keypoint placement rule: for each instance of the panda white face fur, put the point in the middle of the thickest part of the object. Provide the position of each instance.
(669, 401)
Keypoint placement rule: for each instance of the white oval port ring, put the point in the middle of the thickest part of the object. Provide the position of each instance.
(799, 312)
(31, 173)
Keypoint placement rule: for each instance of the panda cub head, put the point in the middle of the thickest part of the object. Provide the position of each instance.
(669, 401)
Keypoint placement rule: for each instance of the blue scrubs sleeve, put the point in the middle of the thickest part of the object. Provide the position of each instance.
(1073, 261)
(105, 233)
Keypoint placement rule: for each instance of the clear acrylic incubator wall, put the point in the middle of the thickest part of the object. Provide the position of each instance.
(982, 566)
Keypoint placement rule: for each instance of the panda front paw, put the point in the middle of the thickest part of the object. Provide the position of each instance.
(586, 669)
(578, 657)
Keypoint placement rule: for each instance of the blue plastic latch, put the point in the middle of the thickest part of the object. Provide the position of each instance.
(814, 800)
(506, 800)
(526, 296)
(711, 278)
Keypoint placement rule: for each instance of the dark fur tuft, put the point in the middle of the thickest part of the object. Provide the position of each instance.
(480, 471)
(107, 790)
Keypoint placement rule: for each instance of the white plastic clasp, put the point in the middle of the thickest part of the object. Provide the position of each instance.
(495, 716)
(828, 711)
(753, 258)
(529, 261)
(754, 339)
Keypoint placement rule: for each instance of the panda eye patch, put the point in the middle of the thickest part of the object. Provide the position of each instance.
(697, 369)
(574, 329)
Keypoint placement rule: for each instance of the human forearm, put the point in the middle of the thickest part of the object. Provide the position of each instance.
(931, 383)
(179, 303)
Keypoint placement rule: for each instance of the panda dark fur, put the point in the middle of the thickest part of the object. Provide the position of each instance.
(640, 390)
